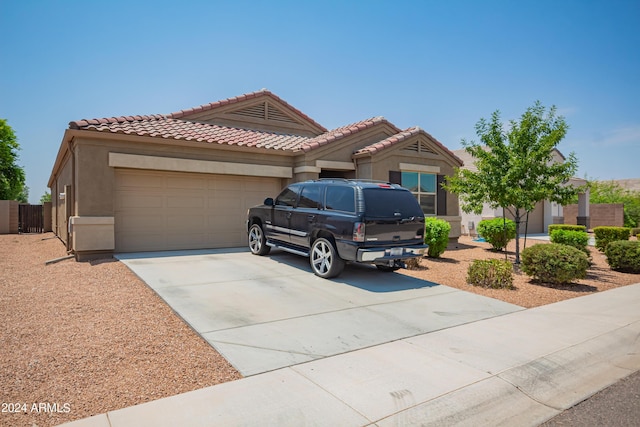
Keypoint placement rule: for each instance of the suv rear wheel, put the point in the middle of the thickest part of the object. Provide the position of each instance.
(257, 241)
(324, 259)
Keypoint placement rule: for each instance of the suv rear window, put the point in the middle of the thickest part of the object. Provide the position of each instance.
(388, 203)
(340, 199)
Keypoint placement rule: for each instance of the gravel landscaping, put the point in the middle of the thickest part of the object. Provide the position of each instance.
(451, 270)
(80, 339)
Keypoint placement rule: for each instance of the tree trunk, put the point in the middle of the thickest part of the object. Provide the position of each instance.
(517, 219)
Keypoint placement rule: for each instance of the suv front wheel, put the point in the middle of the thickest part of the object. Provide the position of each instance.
(324, 259)
(257, 241)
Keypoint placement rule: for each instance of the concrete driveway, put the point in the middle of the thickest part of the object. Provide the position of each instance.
(265, 313)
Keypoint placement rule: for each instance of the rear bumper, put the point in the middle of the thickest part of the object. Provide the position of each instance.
(390, 254)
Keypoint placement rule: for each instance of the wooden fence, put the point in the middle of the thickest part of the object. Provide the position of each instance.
(31, 218)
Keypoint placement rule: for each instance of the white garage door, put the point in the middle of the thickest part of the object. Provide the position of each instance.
(173, 210)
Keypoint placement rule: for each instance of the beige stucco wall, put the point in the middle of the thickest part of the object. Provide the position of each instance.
(96, 179)
(9, 216)
(58, 209)
(91, 234)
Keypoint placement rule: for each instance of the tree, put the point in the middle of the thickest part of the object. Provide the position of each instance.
(11, 175)
(23, 197)
(46, 197)
(515, 168)
(612, 192)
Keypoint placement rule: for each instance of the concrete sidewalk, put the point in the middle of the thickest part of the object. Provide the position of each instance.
(521, 368)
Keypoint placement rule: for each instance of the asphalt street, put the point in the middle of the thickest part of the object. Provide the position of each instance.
(615, 406)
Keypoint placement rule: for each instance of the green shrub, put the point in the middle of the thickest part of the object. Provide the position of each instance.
(554, 263)
(569, 227)
(491, 273)
(605, 235)
(498, 232)
(635, 231)
(577, 239)
(436, 235)
(624, 255)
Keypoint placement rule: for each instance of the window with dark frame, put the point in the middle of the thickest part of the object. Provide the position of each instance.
(423, 187)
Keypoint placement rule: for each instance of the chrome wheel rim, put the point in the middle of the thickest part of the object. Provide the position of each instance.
(321, 257)
(255, 239)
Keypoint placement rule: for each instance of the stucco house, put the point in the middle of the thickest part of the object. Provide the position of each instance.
(544, 214)
(185, 180)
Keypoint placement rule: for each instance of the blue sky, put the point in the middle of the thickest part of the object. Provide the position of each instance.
(440, 65)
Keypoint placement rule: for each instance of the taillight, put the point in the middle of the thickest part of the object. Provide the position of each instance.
(358, 232)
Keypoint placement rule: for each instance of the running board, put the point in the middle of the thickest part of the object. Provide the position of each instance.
(288, 249)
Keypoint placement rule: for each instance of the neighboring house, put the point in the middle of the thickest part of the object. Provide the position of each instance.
(185, 180)
(544, 214)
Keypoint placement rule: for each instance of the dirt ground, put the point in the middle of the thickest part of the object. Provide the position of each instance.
(451, 270)
(80, 339)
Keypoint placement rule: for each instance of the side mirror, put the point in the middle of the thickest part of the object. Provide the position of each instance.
(268, 201)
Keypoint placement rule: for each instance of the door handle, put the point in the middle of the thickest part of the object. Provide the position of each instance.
(310, 218)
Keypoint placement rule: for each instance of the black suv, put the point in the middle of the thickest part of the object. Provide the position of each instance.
(335, 220)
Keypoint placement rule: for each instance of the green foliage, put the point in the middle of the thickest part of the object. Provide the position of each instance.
(491, 273)
(516, 168)
(566, 227)
(46, 197)
(554, 263)
(635, 231)
(606, 235)
(11, 175)
(612, 192)
(624, 256)
(498, 232)
(577, 239)
(23, 197)
(436, 235)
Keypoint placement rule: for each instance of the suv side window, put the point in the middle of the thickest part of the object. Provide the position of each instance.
(310, 197)
(340, 198)
(288, 196)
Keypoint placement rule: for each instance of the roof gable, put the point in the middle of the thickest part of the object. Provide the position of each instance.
(260, 110)
(425, 145)
(342, 132)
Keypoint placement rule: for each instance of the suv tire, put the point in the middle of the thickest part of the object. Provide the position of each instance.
(324, 259)
(257, 241)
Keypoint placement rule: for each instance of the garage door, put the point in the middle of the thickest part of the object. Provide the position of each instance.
(172, 210)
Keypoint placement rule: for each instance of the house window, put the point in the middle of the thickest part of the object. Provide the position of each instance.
(423, 187)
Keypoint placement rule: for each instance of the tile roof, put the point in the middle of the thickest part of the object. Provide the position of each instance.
(344, 131)
(169, 128)
(392, 140)
(403, 136)
(236, 99)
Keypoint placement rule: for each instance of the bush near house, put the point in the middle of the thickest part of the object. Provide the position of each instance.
(635, 231)
(606, 235)
(576, 239)
(554, 263)
(568, 227)
(491, 273)
(624, 256)
(436, 235)
(497, 231)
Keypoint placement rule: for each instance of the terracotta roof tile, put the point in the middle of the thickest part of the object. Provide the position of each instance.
(344, 131)
(252, 95)
(403, 136)
(385, 143)
(165, 127)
